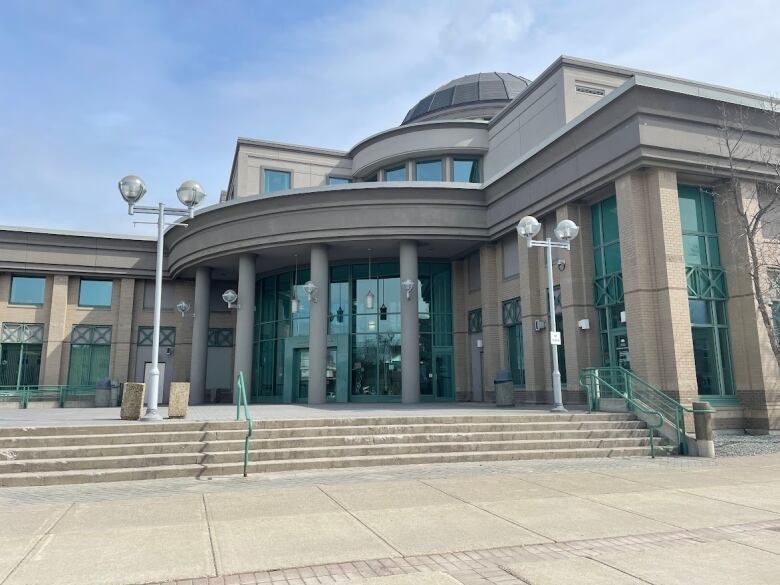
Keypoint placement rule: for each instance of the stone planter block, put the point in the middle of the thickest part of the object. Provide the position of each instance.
(178, 399)
(132, 400)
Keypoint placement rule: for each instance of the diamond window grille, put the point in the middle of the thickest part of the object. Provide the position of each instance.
(21, 333)
(167, 336)
(220, 338)
(91, 335)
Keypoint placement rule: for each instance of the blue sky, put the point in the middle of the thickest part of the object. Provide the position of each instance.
(95, 90)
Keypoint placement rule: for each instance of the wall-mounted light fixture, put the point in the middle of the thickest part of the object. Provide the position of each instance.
(231, 298)
(183, 307)
(311, 291)
(584, 324)
(408, 286)
(540, 325)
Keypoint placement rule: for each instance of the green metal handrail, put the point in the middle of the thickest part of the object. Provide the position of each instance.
(589, 378)
(242, 401)
(641, 390)
(60, 393)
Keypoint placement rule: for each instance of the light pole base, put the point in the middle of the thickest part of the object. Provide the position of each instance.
(559, 408)
(152, 415)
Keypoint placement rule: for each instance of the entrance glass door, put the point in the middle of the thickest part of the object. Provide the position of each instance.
(301, 375)
(436, 383)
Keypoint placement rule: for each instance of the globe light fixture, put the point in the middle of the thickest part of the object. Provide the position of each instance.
(132, 189)
(190, 193)
(231, 298)
(566, 230)
(183, 307)
(528, 227)
(311, 291)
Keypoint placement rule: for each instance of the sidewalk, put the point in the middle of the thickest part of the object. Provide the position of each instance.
(624, 521)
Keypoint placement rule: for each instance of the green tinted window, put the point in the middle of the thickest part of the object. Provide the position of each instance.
(27, 290)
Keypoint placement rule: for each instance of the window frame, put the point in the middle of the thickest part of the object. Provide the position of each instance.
(96, 306)
(423, 161)
(264, 174)
(474, 159)
(11, 300)
(398, 167)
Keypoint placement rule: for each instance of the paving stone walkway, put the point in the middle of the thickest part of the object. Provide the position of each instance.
(666, 521)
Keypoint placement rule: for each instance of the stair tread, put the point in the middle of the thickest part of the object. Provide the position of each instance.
(281, 463)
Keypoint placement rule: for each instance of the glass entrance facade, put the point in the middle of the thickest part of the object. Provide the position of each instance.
(364, 339)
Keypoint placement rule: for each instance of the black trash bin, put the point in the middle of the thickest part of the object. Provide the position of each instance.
(505, 389)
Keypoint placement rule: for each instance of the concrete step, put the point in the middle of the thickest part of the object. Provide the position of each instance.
(196, 457)
(127, 427)
(198, 470)
(161, 447)
(175, 435)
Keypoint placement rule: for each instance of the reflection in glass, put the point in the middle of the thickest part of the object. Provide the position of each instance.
(465, 170)
(429, 170)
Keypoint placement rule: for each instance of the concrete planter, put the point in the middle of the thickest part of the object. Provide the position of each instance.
(178, 399)
(132, 400)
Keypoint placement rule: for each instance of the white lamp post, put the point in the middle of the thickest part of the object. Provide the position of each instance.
(566, 231)
(190, 193)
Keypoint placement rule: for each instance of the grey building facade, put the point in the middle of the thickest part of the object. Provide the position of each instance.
(655, 282)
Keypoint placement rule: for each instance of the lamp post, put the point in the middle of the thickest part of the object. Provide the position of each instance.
(565, 231)
(190, 193)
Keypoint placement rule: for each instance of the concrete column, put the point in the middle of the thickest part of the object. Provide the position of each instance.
(533, 306)
(576, 282)
(245, 318)
(200, 335)
(491, 318)
(318, 325)
(756, 373)
(55, 330)
(410, 326)
(654, 283)
(123, 331)
(460, 335)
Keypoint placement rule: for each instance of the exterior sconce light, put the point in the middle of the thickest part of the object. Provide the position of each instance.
(231, 298)
(561, 264)
(370, 300)
(183, 307)
(408, 286)
(295, 305)
(584, 324)
(311, 291)
(539, 325)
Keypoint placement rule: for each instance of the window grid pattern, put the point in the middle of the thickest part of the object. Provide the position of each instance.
(167, 336)
(91, 335)
(21, 333)
(220, 337)
(475, 321)
(608, 281)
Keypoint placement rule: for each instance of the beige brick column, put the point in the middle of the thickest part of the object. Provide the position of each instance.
(656, 293)
(56, 330)
(533, 306)
(121, 337)
(460, 336)
(491, 318)
(756, 373)
(576, 282)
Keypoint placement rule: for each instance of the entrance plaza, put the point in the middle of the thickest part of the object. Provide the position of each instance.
(664, 521)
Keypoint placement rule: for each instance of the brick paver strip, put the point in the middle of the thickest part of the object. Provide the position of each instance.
(487, 566)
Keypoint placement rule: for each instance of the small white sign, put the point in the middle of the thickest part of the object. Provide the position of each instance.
(555, 337)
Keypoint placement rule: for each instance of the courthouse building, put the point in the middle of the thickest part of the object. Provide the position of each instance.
(420, 289)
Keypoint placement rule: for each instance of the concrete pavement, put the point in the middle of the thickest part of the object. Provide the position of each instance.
(664, 521)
